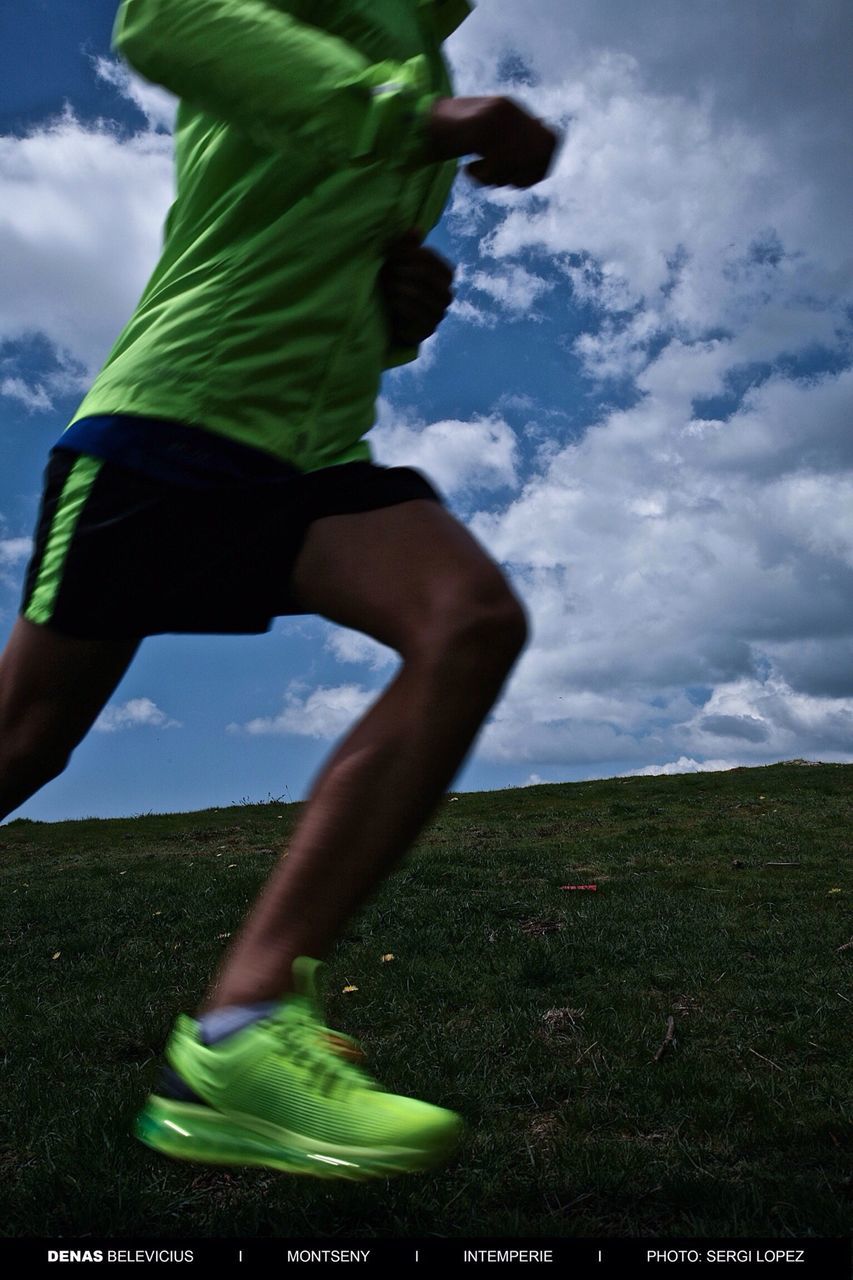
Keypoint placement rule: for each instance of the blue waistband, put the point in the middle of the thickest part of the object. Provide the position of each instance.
(173, 451)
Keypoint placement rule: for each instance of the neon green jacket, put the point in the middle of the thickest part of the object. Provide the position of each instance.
(298, 150)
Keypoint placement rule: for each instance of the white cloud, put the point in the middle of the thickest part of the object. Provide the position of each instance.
(699, 207)
(462, 309)
(702, 184)
(657, 554)
(355, 647)
(684, 764)
(133, 714)
(668, 222)
(456, 455)
(81, 217)
(515, 290)
(770, 712)
(32, 398)
(783, 86)
(157, 105)
(324, 712)
(14, 550)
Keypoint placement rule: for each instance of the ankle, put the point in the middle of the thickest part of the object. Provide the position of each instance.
(242, 998)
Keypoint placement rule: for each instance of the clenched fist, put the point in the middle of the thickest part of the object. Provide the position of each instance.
(415, 284)
(515, 148)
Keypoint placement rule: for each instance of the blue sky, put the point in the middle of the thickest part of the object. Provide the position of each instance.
(640, 402)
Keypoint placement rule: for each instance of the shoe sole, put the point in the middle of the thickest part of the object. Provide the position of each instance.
(185, 1131)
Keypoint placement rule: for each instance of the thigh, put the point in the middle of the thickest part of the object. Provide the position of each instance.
(390, 571)
(53, 686)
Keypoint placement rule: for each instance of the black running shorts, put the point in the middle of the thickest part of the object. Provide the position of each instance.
(119, 555)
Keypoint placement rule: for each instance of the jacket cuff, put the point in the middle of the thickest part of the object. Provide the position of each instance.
(394, 126)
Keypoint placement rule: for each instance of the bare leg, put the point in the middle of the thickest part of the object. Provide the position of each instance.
(412, 577)
(52, 688)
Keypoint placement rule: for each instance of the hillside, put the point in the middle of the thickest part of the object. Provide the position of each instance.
(537, 1012)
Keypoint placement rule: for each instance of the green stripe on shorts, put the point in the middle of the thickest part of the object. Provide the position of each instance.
(75, 491)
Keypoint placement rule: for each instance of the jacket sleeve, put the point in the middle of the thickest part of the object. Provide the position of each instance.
(284, 83)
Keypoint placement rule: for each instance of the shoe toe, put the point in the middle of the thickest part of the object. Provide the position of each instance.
(435, 1128)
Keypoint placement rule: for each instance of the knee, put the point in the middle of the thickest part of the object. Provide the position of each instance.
(481, 620)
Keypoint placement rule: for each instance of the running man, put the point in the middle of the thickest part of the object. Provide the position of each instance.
(217, 476)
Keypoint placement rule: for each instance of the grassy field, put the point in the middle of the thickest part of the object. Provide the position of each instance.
(534, 1011)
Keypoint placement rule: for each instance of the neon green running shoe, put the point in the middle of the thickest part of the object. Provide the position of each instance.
(288, 1093)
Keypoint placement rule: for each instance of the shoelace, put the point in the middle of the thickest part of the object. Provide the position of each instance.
(343, 1045)
(331, 1054)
